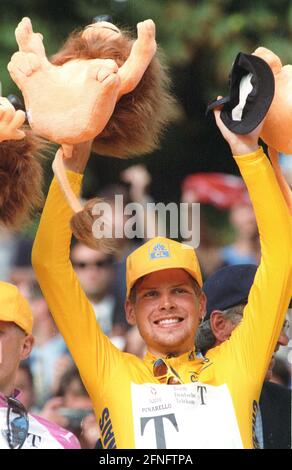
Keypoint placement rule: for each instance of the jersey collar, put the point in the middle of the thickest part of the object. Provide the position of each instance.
(188, 356)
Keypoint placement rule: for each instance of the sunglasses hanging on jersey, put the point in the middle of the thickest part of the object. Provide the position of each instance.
(165, 373)
(17, 423)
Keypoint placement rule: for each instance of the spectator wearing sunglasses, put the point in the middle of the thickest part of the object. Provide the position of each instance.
(209, 402)
(95, 271)
(227, 292)
(20, 429)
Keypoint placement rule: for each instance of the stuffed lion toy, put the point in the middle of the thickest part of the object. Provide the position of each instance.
(102, 85)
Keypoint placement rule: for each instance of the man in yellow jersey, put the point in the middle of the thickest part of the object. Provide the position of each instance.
(172, 398)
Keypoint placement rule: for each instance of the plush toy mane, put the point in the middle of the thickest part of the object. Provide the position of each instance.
(140, 116)
(21, 179)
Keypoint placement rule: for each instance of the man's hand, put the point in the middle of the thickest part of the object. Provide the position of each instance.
(10, 121)
(90, 432)
(239, 144)
(51, 411)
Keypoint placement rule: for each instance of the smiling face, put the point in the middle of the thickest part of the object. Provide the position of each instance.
(167, 311)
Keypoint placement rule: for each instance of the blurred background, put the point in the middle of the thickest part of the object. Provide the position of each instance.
(199, 40)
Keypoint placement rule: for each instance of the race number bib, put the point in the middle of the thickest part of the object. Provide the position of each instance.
(190, 416)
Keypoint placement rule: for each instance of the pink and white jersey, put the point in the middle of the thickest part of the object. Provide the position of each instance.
(42, 434)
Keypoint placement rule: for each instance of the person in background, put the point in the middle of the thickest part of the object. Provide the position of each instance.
(71, 408)
(7, 248)
(281, 373)
(21, 273)
(227, 194)
(96, 272)
(134, 343)
(24, 383)
(49, 347)
(18, 427)
(227, 292)
(245, 248)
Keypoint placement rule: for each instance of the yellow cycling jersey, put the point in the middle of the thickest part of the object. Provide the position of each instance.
(216, 405)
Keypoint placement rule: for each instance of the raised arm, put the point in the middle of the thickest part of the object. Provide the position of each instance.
(253, 341)
(72, 311)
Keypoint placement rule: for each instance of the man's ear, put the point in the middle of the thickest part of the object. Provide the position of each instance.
(202, 305)
(130, 312)
(221, 326)
(27, 346)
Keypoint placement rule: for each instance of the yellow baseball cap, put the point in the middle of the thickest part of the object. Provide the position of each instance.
(158, 254)
(14, 307)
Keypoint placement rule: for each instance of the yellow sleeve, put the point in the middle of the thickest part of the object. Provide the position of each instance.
(252, 343)
(92, 351)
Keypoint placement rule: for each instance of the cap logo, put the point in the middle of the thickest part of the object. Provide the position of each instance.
(159, 251)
